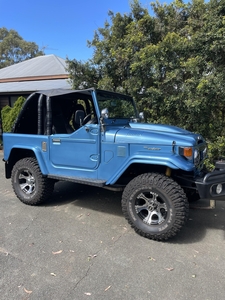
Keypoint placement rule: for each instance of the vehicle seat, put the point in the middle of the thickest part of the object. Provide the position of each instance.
(79, 116)
(60, 125)
(78, 119)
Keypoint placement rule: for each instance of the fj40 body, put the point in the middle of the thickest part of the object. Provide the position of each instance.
(96, 137)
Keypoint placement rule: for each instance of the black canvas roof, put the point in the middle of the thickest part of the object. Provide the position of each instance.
(59, 92)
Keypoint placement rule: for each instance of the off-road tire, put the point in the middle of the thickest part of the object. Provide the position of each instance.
(28, 183)
(155, 206)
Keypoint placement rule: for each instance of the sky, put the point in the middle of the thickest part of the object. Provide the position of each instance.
(61, 27)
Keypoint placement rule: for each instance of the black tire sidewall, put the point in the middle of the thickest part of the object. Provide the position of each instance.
(21, 166)
(169, 192)
(138, 222)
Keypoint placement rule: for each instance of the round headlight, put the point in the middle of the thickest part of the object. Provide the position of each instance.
(196, 157)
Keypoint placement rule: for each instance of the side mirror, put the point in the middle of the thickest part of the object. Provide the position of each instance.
(141, 116)
(105, 113)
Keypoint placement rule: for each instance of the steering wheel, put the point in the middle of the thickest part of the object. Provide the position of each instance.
(86, 119)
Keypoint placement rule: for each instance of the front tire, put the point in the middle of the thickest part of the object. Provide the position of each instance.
(155, 206)
(28, 183)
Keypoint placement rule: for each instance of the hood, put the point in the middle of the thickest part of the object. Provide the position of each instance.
(159, 127)
(154, 134)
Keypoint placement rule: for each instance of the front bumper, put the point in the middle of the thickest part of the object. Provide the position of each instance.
(208, 185)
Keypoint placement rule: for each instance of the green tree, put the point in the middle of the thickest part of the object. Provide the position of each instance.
(172, 62)
(14, 49)
(116, 45)
(82, 75)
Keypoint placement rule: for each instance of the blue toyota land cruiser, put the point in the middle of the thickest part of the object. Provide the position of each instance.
(96, 137)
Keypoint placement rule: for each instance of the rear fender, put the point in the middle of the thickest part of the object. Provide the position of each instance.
(18, 153)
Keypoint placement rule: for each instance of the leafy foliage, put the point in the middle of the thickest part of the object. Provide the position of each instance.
(9, 114)
(14, 49)
(82, 75)
(172, 62)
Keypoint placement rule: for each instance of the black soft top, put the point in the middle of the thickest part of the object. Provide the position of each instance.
(60, 92)
(32, 111)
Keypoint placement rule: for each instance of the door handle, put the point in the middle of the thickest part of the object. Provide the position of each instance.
(56, 141)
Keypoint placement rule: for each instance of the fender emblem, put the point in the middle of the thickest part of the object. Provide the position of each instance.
(152, 149)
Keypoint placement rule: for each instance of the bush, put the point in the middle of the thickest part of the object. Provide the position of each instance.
(9, 114)
(216, 150)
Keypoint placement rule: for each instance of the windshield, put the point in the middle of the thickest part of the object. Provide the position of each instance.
(119, 106)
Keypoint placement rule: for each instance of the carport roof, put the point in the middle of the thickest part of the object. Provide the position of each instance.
(42, 72)
(41, 66)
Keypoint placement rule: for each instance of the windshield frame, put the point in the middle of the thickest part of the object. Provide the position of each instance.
(108, 96)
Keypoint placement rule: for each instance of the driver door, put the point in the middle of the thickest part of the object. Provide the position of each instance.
(76, 151)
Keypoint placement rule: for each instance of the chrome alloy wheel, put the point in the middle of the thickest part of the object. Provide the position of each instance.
(151, 208)
(27, 182)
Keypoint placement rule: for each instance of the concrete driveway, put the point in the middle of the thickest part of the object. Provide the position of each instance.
(79, 246)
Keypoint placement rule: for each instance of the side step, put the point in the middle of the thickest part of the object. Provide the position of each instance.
(88, 181)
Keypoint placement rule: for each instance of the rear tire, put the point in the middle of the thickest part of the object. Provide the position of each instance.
(155, 206)
(28, 183)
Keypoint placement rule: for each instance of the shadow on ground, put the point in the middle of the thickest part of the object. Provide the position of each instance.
(97, 199)
(201, 219)
(85, 196)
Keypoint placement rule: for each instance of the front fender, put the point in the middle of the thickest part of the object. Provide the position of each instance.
(174, 162)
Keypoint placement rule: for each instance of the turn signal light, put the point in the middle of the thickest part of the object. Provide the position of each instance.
(186, 151)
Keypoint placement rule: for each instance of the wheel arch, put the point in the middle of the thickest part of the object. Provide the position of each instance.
(17, 154)
(137, 167)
